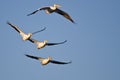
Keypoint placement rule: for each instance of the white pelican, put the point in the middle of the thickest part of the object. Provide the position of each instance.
(45, 61)
(51, 9)
(23, 35)
(44, 43)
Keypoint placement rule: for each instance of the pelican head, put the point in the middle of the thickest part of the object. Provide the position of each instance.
(45, 41)
(56, 5)
(29, 34)
(49, 58)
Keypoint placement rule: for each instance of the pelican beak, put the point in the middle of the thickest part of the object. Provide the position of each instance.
(46, 41)
(49, 58)
(57, 5)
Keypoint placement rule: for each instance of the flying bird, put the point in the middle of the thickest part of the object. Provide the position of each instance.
(44, 43)
(54, 8)
(23, 35)
(45, 61)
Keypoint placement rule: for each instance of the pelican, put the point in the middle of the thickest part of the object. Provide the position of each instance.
(51, 9)
(45, 61)
(23, 35)
(44, 43)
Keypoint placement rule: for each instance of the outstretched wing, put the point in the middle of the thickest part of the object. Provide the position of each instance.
(58, 62)
(39, 30)
(43, 8)
(15, 27)
(51, 44)
(33, 57)
(34, 12)
(66, 15)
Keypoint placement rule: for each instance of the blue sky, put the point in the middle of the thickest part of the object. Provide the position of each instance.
(93, 43)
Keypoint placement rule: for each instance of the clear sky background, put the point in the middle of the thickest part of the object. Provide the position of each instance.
(93, 43)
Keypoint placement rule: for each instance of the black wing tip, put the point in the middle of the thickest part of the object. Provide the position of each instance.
(32, 13)
(73, 22)
(40, 9)
(30, 56)
(44, 28)
(69, 62)
(29, 14)
(27, 55)
(65, 41)
(8, 23)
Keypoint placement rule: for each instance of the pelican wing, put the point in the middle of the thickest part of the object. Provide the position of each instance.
(44, 8)
(58, 62)
(32, 40)
(51, 44)
(66, 15)
(39, 30)
(33, 57)
(33, 12)
(15, 27)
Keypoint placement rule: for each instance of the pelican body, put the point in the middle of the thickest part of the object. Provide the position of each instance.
(40, 45)
(51, 9)
(45, 61)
